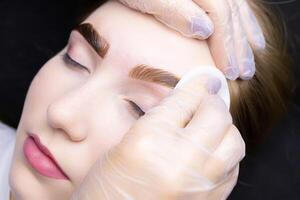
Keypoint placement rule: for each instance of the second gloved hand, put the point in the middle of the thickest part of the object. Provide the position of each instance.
(232, 25)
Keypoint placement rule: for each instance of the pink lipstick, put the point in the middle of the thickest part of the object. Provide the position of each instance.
(41, 159)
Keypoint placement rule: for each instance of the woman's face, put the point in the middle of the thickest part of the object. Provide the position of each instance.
(81, 108)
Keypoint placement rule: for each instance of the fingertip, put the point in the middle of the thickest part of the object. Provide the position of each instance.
(249, 72)
(213, 85)
(231, 73)
(247, 63)
(201, 27)
(247, 76)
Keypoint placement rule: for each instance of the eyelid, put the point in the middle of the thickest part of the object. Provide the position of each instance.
(136, 108)
(69, 60)
(81, 52)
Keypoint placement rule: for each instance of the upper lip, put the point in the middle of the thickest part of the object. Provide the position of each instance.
(45, 150)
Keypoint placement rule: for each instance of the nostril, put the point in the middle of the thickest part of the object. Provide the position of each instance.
(66, 119)
(77, 137)
(56, 117)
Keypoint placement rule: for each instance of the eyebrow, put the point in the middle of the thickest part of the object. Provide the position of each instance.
(98, 43)
(155, 75)
(140, 72)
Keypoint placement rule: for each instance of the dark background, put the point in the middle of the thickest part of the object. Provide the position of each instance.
(33, 31)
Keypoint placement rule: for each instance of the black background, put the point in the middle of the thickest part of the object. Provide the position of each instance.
(32, 31)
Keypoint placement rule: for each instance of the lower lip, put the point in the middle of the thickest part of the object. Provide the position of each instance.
(41, 162)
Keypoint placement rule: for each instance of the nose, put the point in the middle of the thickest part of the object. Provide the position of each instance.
(68, 114)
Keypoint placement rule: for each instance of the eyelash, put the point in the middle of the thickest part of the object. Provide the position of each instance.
(136, 108)
(69, 61)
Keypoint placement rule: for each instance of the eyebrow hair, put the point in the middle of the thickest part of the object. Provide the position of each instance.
(141, 72)
(98, 43)
(155, 75)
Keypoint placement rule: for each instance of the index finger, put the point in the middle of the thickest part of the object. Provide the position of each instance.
(209, 123)
(221, 42)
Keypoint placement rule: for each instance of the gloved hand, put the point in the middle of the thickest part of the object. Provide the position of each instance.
(184, 148)
(234, 25)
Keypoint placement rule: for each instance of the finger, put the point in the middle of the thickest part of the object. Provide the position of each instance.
(223, 187)
(227, 187)
(178, 108)
(253, 29)
(210, 123)
(231, 150)
(221, 42)
(181, 15)
(221, 164)
(244, 53)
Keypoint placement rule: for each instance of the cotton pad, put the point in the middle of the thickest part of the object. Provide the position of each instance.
(210, 71)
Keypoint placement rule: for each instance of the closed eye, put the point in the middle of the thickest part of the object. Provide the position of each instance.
(136, 108)
(69, 61)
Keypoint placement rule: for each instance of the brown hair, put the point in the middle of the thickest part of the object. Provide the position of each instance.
(259, 102)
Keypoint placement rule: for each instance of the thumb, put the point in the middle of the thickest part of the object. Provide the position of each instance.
(178, 108)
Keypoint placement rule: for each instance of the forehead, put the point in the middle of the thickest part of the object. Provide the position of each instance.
(137, 38)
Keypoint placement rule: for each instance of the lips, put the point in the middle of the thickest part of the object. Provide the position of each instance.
(41, 159)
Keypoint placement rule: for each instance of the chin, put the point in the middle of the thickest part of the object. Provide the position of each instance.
(26, 184)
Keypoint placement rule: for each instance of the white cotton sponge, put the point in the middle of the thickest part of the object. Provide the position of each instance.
(210, 71)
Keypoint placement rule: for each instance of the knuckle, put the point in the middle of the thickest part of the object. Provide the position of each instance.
(219, 171)
(215, 170)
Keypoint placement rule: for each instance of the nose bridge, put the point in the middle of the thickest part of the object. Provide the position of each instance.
(69, 112)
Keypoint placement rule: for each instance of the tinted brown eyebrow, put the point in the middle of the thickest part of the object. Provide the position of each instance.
(141, 72)
(98, 43)
(150, 74)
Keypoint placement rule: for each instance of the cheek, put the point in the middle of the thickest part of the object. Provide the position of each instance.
(107, 126)
(114, 124)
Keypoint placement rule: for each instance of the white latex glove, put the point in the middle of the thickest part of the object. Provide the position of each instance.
(234, 25)
(184, 148)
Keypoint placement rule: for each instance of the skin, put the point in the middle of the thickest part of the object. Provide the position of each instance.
(70, 125)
